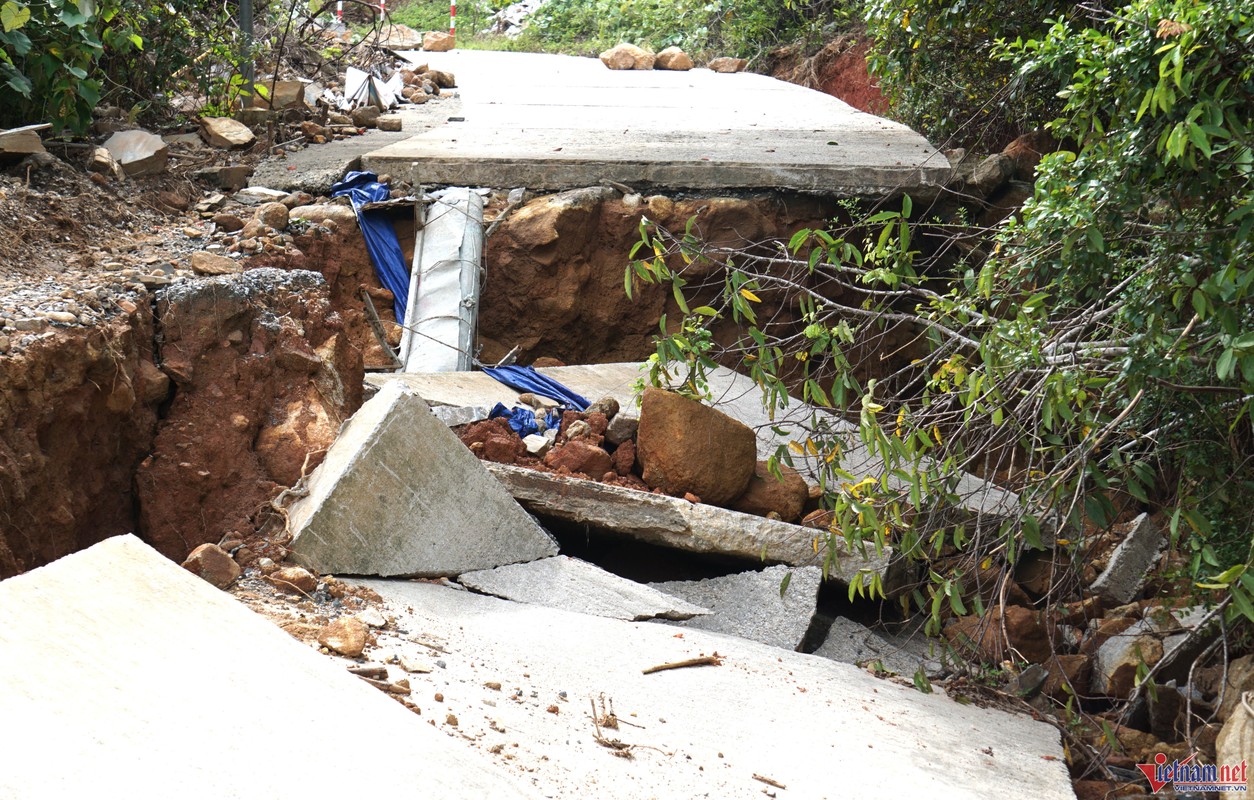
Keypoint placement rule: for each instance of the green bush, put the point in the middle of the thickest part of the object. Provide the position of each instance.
(935, 61)
(59, 58)
(704, 28)
(1102, 357)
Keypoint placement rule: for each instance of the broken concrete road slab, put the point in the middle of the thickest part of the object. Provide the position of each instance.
(754, 605)
(573, 123)
(675, 522)
(574, 585)
(399, 494)
(822, 729)
(142, 680)
(852, 643)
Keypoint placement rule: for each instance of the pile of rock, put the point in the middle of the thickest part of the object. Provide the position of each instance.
(629, 56)
(677, 446)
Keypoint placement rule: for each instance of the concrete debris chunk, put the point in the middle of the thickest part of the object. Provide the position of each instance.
(806, 722)
(574, 585)
(398, 494)
(1125, 575)
(22, 141)
(138, 152)
(134, 669)
(749, 604)
(853, 643)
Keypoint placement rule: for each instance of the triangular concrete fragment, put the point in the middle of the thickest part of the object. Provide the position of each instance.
(125, 675)
(399, 494)
(573, 585)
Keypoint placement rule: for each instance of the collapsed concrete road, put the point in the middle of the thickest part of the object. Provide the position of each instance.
(674, 522)
(126, 676)
(398, 494)
(732, 393)
(560, 122)
(522, 682)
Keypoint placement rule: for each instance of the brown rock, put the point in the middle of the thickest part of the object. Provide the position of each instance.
(494, 440)
(606, 405)
(1027, 635)
(1026, 152)
(310, 129)
(226, 133)
(296, 199)
(366, 116)
(766, 493)
(442, 79)
(346, 636)
(624, 458)
(213, 564)
(252, 229)
(204, 263)
(1240, 680)
(627, 56)
(547, 361)
(322, 212)
(1067, 672)
(437, 42)
(579, 455)
(726, 64)
(673, 58)
(391, 122)
(274, 215)
(684, 446)
(154, 385)
(102, 162)
(296, 580)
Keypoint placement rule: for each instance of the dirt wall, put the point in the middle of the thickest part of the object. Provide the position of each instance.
(78, 412)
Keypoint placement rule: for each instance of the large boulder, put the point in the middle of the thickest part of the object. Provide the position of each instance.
(684, 446)
(437, 41)
(785, 496)
(628, 56)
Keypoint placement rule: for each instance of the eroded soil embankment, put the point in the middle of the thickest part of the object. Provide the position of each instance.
(183, 415)
(179, 425)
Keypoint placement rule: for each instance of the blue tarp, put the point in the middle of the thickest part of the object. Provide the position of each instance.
(526, 379)
(523, 420)
(381, 242)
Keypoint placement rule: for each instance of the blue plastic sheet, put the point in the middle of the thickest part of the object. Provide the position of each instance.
(526, 379)
(381, 242)
(523, 420)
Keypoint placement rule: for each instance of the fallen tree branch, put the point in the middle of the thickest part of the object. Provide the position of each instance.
(713, 661)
